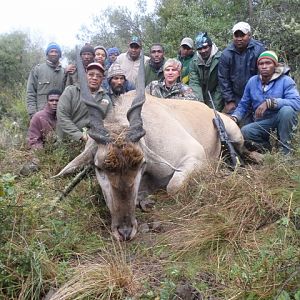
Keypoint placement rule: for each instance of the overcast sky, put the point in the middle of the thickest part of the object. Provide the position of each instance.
(55, 20)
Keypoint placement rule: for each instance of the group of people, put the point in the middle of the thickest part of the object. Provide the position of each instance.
(245, 80)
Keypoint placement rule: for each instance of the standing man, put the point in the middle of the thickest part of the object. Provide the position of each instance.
(275, 101)
(72, 113)
(185, 55)
(43, 78)
(204, 71)
(169, 87)
(237, 64)
(87, 54)
(43, 122)
(130, 61)
(154, 66)
(118, 84)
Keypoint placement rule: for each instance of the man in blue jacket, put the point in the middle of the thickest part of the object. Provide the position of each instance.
(275, 100)
(237, 64)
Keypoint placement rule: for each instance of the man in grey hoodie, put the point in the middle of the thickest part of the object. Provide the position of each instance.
(204, 71)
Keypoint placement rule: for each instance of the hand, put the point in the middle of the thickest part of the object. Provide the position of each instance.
(70, 69)
(261, 110)
(229, 107)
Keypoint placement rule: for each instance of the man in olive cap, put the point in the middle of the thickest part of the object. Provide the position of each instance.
(130, 61)
(275, 101)
(185, 55)
(44, 78)
(204, 71)
(237, 64)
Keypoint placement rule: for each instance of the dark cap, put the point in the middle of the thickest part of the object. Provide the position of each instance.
(95, 65)
(135, 40)
(87, 48)
(202, 40)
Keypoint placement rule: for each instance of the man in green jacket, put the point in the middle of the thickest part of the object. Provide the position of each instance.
(72, 113)
(185, 55)
(154, 66)
(204, 71)
(43, 78)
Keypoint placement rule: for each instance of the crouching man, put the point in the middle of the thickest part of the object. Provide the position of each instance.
(43, 122)
(275, 100)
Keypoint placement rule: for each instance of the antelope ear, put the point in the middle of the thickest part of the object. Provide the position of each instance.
(83, 159)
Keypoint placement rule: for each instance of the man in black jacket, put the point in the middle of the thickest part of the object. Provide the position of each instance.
(237, 64)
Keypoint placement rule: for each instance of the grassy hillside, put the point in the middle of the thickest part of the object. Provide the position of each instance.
(226, 235)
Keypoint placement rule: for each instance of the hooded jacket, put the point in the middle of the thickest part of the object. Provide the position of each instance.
(204, 78)
(281, 87)
(236, 68)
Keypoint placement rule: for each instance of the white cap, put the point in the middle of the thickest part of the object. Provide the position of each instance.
(241, 26)
(187, 41)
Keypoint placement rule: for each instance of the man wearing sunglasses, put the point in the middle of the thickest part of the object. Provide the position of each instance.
(204, 71)
(43, 123)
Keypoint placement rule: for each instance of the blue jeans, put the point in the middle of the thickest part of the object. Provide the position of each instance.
(284, 121)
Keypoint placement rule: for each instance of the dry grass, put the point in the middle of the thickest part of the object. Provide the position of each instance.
(107, 276)
(225, 206)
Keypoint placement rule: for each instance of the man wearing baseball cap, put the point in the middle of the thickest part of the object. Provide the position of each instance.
(72, 113)
(185, 55)
(130, 61)
(237, 64)
(275, 101)
(44, 78)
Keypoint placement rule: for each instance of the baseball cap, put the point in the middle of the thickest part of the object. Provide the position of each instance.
(187, 41)
(135, 40)
(95, 65)
(241, 26)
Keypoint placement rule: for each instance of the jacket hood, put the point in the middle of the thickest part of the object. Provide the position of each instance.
(214, 50)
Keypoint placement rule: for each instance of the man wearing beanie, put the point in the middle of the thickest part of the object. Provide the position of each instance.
(44, 78)
(87, 54)
(118, 84)
(237, 64)
(275, 101)
(204, 71)
(112, 53)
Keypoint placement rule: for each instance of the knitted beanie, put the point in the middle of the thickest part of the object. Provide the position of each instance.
(115, 70)
(269, 55)
(113, 50)
(53, 46)
(87, 48)
(202, 40)
(101, 47)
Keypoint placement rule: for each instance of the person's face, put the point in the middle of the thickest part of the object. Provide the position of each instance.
(205, 52)
(53, 101)
(171, 74)
(241, 40)
(94, 79)
(113, 57)
(266, 67)
(157, 54)
(100, 56)
(117, 84)
(185, 51)
(134, 51)
(53, 56)
(87, 58)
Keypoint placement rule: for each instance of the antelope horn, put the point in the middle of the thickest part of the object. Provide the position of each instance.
(97, 130)
(136, 130)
